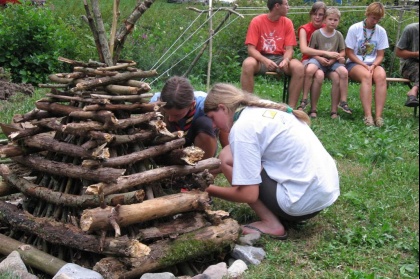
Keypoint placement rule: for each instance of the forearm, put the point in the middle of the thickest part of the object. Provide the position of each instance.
(406, 54)
(240, 194)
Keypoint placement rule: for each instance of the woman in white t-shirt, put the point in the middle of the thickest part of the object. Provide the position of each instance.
(274, 162)
(366, 42)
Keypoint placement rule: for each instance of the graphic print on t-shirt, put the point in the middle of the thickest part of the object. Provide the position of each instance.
(269, 45)
(366, 48)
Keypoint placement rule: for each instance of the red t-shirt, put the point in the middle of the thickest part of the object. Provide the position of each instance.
(270, 37)
(4, 2)
(309, 28)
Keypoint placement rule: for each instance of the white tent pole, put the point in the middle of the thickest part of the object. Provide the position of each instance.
(210, 44)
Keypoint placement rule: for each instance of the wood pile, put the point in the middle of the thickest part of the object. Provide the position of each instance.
(97, 177)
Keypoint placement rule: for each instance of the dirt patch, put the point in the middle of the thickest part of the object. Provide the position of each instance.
(8, 89)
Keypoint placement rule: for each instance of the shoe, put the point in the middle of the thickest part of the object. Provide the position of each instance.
(333, 115)
(379, 122)
(368, 121)
(303, 104)
(313, 113)
(412, 101)
(278, 237)
(345, 107)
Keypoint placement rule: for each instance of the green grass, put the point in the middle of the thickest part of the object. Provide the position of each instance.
(372, 231)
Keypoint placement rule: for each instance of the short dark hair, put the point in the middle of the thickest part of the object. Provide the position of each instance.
(271, 3)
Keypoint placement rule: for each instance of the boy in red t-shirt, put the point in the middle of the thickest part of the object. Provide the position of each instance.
(270, 40)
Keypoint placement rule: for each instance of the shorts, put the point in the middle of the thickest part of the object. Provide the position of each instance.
(410, 71)
(275, 58)
(268, 196)
(351, 65)
(326, 70)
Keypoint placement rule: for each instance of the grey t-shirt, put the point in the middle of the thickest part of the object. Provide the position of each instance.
(409, 41)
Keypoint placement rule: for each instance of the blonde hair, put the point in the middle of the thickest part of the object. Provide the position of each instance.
(333, 11)
(233, 97)
(375, 9)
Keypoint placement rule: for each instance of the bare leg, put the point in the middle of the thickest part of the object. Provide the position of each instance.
(250, 67)
(296, 72)
(362, 75)
(316, 90)
(379, 77)
(335, 91)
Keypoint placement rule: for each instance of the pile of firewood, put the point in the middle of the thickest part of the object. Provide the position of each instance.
(97, 177)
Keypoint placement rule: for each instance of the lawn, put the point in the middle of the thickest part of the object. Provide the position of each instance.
(372, 231)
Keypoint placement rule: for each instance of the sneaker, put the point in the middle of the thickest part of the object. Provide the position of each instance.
(345, 107)
(379, 122)
(412, 101)
(368, 121)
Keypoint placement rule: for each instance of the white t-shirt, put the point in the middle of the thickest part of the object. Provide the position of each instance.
(355, 41)
(289, 151)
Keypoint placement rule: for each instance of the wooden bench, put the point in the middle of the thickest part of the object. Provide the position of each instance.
(286, 81)
(409, 84)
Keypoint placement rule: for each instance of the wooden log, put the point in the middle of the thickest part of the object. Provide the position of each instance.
(137, 98)
(95, 72)
(144, 87)
(31, 256)
(139, 108)
(186, 247)
(69, 170)
(187, 156)
(104, 116)
(69, 235)
(59, 78)
(83, 128)
(47, 142)
(10, 150)
(91, 63)
(62, 98)
(122, 89)
(103, 81)
(33, 114)
(13, 182)
(184, 223)
(137, 156)
(7, 189)
(130, 181)
(55, 108)
(26, 133)
(98, 218)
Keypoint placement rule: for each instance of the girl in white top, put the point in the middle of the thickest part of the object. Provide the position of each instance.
(275, 163)
(366, 42)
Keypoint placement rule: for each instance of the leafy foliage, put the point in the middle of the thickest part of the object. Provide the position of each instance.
(31, 40)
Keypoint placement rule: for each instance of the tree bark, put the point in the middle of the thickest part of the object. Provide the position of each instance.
(69, 170)
(103, 81)
(56, 109)
(130, 181)
(103, 116)
(138, 156)
(101, 33)
(13, 182)
(139, 108)
(98, 218)
(31, 256)
(187, 247)
(69, 235)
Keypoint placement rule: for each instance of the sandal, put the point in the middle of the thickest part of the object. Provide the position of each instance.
(313, 114)
(278, 237)
(368, 120)
(303, 104)
(333, 115)
(345, 107)
(379, 122)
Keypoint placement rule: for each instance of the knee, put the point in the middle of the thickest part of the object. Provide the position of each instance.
(249, 65)
(319, 75)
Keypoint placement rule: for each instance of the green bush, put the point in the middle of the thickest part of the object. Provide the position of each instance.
(31, 40)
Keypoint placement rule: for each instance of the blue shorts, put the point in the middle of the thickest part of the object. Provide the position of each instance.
(326, 70)
(351, 65)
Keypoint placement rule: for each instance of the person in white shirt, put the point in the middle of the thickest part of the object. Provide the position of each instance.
(274, 162)
(366, 42)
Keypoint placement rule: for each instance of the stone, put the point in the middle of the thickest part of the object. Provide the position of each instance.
(249, 254)
(237, 269)
(249, 239)
(14, 265)
(163, 275)
(74, 271)
(217, 271)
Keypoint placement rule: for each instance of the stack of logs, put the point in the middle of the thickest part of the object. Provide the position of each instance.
(99, 177)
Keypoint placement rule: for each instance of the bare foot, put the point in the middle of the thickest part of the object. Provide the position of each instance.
(271, 229)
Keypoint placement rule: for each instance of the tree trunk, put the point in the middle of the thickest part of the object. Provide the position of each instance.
(99, 218)
(69, 170)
